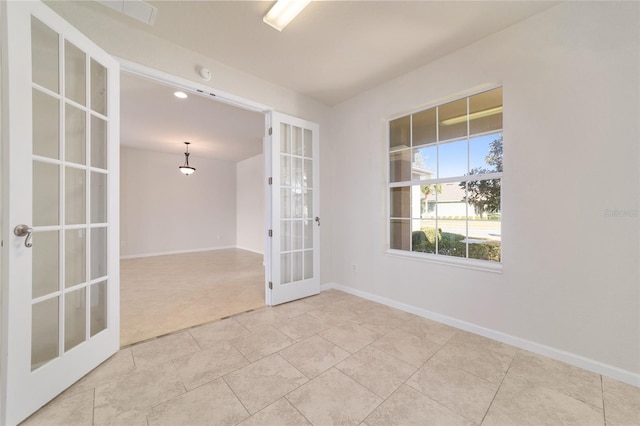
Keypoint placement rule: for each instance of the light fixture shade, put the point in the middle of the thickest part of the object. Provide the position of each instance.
(283, 12)
(186, 169)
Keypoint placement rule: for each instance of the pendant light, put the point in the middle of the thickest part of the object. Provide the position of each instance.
(187, 169)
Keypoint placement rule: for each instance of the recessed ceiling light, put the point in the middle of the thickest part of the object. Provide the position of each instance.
(180, 95)
(283, 12)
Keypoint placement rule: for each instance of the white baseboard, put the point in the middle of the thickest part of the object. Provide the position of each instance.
(251, 250)
(167, 253)
(554, 353)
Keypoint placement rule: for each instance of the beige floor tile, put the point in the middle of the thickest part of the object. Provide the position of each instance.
(526, 404)
(409, 407)
(211, 404)
(163, 349)
(477, 355)
(261, 343)
(211, 334)
(70, 409)
(621, 403)
(462, 392)
(260, 319)
(350, 336)
(295, 308)
(332, 317)
(378, 371)
(313, 355)
(302, 326)
(263, 382)
(115, 367)
(209, 364)
(379, 320)
(333, 398)
(136, 393)
(428, 329)
(280, 413)
(538, 370)
(408, 347)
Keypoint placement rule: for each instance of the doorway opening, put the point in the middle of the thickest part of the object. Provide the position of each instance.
(192, 247)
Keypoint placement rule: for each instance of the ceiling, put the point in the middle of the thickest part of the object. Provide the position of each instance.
(333, 50)
(153, 118)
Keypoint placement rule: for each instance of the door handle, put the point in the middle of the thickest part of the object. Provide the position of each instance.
(318, 220)
(24, 231)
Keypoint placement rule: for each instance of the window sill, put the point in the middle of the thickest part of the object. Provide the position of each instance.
(479, 265)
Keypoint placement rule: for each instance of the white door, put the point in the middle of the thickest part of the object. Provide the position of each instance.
(294, 242)
(60, 119)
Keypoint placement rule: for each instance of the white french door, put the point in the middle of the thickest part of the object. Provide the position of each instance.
(60, 171)
(294, 242)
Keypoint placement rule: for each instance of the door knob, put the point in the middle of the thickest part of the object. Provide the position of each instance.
(24, 231)
(318, 220)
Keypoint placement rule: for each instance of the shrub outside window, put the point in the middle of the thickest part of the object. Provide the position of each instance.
(445, 176)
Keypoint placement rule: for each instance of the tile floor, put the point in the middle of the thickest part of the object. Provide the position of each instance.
(162, 294)
(336, 359)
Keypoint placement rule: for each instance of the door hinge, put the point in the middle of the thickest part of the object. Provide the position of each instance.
(270, 232)
(270, 285)
(270, 181)
(270, 131)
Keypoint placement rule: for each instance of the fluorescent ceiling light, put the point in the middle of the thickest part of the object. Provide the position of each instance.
(137, 9)
(283, 12)
(472, 116)
(180, 95)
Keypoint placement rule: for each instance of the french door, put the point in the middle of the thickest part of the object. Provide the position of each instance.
(294, 241)
(60, 170)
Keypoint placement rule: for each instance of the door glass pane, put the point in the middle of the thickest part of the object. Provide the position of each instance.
(98, 142)
(75, 204)
(75, 257)
(75, 318)
(296, 143)
(298, 206)
(75, 135)
(44, 332)
(285, 170)
(46, 125)
(308, 174)
(308, 204)
(296, 164)
(98, 197)
(308, 234)
(452, 120)
(285, 138)
(44, 55)
(297, 266)
(98, 252)
(74, 73)
(308, 264)
(285, 268)
(285, 203)
(424, 127)
(297, 234)
(98, 307)
(44, 265)
(98, 88)
(285, 237)
(308, 143)
(46, 194)
(400, 133)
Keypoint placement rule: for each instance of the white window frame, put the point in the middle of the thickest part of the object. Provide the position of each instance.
(465, 262)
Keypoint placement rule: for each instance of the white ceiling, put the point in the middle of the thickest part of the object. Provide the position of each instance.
(332, 51)
(153, 118)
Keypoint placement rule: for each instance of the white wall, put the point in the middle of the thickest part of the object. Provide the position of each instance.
(250, 184)
(164, 211)
(571, 130)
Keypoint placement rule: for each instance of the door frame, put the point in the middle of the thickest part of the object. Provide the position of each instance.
(199, 89)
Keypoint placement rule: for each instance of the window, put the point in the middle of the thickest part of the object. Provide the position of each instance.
(445, 175)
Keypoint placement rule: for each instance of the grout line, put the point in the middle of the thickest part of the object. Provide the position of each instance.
(237, 397)
(604, 412)
(497, 390)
